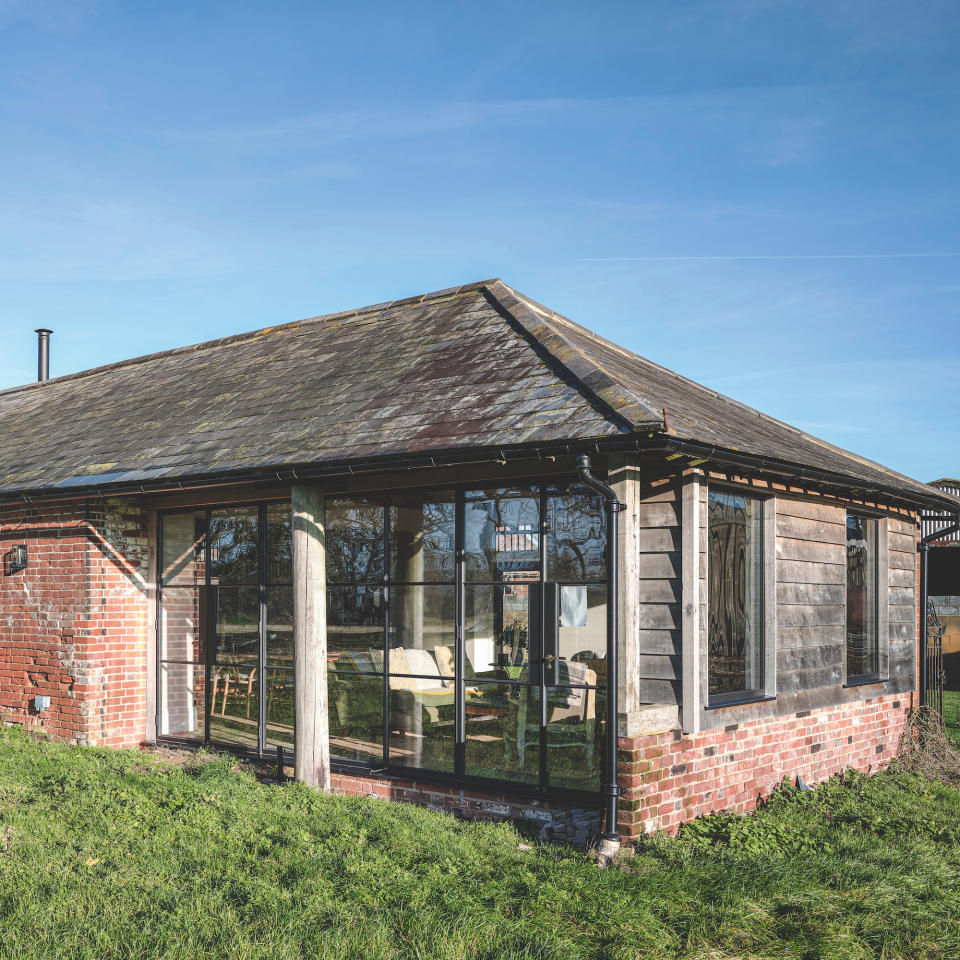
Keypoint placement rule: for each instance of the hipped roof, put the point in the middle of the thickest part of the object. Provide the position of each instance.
(478, 366)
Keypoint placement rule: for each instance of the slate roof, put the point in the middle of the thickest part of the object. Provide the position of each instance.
(478, 366)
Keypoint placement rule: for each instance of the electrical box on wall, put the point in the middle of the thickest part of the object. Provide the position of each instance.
(17, 558)
(41, 703)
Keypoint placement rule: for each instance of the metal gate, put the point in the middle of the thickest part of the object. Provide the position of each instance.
(934, 659)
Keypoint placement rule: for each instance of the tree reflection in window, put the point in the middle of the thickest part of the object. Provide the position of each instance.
(734, 594)
(862, 659)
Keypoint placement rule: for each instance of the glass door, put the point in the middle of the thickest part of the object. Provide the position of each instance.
(502, 635)
(226, 627)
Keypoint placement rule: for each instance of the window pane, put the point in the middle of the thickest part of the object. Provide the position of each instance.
(861, 596)
(502, 533)
(279, 544)
(422, 724)
(582, 633)
(574, 738)
(423, 629)
(234, 553)
(735, 591)
(280, 626)
(182, 619)
(354, 540)
(234, 714)
(181, 701)
(497, 634)
(355, 625)
(502, 731)
(356, 716)
(422, 537)
(280, 699)
(576, 532)
(183, 542)
(237, 624)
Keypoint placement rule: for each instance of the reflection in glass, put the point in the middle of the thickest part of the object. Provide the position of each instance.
(183, 542)
(182, 618)
(181, 708)
(279, 544)
(234, 717)
(576, 538)
(422, 537)
(354, 540)
(421, 618)
(280, 626)
(574, 737)
(502, 533)
(234, 550)
(582, 631)
(502, 728)
(356, 713)
(355, 621)
(280, 700)
(862, 659)
(497, 630)
(734, 527)
(422, 724)
(237, 624)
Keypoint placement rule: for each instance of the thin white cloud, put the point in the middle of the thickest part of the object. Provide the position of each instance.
(768, 256)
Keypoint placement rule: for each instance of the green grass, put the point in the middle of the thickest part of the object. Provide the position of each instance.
(951, 715)
(121, 855)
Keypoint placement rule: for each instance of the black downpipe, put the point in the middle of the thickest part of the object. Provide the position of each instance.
(43, 354)
(924, 594)
(613, 506)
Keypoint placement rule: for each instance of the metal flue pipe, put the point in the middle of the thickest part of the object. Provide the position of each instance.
(43, 354)
(610, 837)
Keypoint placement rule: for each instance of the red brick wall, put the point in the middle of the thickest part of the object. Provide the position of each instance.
(553, 821)
(73, 624)
(669, 778)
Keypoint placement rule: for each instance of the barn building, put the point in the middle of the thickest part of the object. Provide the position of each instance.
(458, 550)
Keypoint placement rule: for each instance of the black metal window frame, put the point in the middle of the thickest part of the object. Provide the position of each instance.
(209, 626)
(544, 491)
(749, 694)
(871, 676)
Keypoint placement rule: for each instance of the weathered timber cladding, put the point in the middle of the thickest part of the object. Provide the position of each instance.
(658, 596)
(811, 611)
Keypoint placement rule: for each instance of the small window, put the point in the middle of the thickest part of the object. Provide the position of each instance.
(735, 597)
(862, 648)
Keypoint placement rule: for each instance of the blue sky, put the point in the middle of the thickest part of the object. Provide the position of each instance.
(761, 195)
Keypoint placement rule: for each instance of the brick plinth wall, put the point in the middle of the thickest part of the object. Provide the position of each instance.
(670, 779)
(553, 821)
(73, 624)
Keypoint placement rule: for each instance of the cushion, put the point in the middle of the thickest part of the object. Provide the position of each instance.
(419, 661)
(444, 658)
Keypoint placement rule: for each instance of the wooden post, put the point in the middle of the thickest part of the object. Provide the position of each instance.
(690, 606)
(311, 727)
(623, 474)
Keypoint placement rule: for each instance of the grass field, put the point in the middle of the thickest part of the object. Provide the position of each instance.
(951, 715)
(129, 855)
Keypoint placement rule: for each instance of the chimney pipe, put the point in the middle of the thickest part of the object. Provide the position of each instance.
(43, 354)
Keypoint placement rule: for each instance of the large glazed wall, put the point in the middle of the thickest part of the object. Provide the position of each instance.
(73, 624)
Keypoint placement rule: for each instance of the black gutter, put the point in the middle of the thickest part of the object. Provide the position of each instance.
(705, 452)
(613, 506)
(653, 443)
